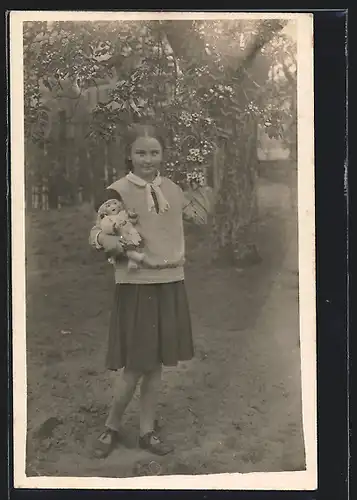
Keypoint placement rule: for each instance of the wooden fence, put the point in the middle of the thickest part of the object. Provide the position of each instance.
(69, 172)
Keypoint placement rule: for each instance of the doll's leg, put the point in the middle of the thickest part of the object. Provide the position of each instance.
(135, 256)
(132, 264)
(134, 259)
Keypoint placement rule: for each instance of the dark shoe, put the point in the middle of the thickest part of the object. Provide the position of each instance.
(151, 442)
(106, 443)
(158, 424)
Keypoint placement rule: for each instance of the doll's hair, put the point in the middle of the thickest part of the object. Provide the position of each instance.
(103, 209)
(137, 130)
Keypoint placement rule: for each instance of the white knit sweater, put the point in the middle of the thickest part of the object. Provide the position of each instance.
(163, 234)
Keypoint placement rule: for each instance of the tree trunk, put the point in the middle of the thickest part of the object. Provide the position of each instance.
(236, 200)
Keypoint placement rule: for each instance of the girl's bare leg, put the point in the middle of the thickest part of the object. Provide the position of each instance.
(149, 392)
(124, 389)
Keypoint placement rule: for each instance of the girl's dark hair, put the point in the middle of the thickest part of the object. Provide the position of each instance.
(135, 131)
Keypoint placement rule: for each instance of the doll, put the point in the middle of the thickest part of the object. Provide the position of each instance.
(114, 219)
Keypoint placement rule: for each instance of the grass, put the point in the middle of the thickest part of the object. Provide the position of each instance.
(234, 408)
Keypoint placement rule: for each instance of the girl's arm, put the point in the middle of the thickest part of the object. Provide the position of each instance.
(197, 204)
(107, 242)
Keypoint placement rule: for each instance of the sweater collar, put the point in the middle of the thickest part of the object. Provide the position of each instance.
(150, 188)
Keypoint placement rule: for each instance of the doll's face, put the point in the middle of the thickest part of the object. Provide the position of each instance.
(111, 207)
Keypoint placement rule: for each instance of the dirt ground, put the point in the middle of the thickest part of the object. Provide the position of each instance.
(235, 408)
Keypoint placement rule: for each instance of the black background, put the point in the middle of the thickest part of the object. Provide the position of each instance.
(331, 266)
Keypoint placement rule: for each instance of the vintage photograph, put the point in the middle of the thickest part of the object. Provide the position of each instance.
(163, 249)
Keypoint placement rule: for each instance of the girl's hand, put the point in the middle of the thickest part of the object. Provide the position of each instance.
(199, 204)
(111, 244)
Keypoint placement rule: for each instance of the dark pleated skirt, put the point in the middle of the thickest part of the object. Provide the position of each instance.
(150, 324)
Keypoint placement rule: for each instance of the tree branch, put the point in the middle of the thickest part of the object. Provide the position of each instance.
(267, 31)
(187, 44)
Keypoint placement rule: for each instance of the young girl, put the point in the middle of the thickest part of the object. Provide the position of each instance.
(150, 322)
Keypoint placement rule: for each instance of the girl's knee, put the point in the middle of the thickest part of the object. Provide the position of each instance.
(131, 376)
(153, 374)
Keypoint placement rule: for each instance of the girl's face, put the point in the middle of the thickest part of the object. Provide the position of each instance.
(146, 156)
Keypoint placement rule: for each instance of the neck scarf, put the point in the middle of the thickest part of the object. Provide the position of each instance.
(151, 187)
